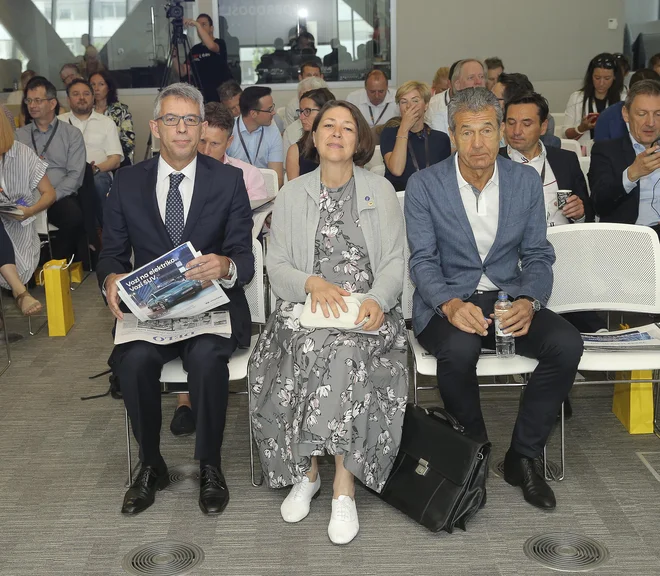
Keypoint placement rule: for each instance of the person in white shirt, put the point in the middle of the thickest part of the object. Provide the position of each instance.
(602, 87)
(101, 137)
(294, 130)
(307, 70)
(440, 81)
(463, 74)
(375, 100)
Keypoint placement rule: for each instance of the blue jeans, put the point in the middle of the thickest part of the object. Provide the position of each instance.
(102, 183)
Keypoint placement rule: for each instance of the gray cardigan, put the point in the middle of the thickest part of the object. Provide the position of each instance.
(290, 257)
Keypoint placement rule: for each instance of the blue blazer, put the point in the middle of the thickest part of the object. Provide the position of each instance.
(444, 259)
(219, 222)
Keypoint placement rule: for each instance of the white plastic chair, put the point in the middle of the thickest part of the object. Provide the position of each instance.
(560, 118)
(572, 145)
(380, 169)
(173, 372)
(272, 183)
(44, 229)
(585, 162)
(281, 112)
(376, 159)
(559, 130)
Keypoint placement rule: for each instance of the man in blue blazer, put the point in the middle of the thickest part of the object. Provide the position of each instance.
(476, 225)
(153, 207)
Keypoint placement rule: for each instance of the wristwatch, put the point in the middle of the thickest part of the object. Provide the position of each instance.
(536, 305)
(96, 170)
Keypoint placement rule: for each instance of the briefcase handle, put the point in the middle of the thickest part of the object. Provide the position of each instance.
(438, 411)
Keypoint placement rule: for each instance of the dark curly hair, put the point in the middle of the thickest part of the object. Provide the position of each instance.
(110, 83)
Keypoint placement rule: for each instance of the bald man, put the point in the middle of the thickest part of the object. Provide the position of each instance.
(375, 100)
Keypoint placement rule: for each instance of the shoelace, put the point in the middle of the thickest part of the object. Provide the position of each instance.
(343, 510)
(143, 478)
(299, 488)
(213, 478)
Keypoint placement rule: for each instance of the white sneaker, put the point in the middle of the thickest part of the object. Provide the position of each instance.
(344, 523)
(296, 505)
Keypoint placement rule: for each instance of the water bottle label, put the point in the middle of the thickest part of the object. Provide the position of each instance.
(498, 330)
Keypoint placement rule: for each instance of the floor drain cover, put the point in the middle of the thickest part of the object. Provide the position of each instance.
(566, 552)
(554, 470)
(184, 478)
(165, 558)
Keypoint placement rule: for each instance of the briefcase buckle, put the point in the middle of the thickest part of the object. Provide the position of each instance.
(422, 467)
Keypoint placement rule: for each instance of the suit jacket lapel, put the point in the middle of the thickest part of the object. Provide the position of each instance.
(151, 201)
(456, 202)
(506, 192)
(200, 194)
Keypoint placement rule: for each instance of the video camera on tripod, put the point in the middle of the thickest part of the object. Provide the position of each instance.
(174, 11)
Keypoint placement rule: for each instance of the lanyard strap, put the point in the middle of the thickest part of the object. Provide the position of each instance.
(426, 151)
(374, 122)
(34, 144)
(447, 98)
(240, 136)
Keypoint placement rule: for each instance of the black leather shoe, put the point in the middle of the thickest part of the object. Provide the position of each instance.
(520, 471)
(183, 422)
(142, 492)
(213, 491)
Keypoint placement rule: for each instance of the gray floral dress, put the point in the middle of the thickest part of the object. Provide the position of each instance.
(325, 391)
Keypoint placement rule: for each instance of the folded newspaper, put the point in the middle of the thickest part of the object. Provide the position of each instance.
(642, 338)
(159, 290)
(10, 208)
(174, 329)
(255, 204)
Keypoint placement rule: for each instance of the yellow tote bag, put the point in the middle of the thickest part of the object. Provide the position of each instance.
(633, 402)
(58, 297)
(76, 273)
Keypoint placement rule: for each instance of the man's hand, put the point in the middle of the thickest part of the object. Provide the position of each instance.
(466, 317)
(190, 22)
(645, 163)
(574, 207)
(112, 294)
(517, 320)
(370, 309)
(328, 295)
(208, 267)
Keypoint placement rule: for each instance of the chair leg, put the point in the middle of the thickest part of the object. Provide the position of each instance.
(252, 475)
(562, 453)
(415, 379)
(656, 404)
(3, 326)
(128, 449)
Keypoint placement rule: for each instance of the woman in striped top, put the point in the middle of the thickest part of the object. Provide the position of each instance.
(21, 173)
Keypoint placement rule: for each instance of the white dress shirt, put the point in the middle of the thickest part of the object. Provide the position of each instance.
(100, 134)
(483, 212)
(374, 115)
(436, 114)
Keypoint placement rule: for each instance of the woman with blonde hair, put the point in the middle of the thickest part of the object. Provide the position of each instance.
(440, 81)
(21, 173)
(413, 145)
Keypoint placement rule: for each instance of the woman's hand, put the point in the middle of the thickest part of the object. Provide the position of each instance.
(411, 116)
(27, 213)
(370, 309)
(327, 295)
(588, 122)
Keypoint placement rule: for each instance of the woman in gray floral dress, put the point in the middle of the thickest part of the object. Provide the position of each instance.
(335, 231)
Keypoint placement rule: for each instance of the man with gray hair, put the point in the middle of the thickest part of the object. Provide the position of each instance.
(153, 207)
(476, 226)
(464, 74)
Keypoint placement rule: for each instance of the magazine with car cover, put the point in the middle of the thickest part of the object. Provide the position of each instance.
(173, 329)
(160, 290)
(642, 338)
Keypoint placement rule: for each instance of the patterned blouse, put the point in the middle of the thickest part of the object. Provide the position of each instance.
(124, 121)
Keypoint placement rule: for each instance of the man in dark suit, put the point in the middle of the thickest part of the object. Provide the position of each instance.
(476, 225)
(153, 207)
(624, 173)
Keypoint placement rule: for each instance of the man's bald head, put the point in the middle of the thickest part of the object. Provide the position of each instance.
(376, 86)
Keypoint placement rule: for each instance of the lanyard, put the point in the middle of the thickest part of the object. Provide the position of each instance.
(34, 144)
(245, 147)
(374, 122)
(426, 151)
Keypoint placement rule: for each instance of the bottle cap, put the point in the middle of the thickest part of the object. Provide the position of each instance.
(502, 296)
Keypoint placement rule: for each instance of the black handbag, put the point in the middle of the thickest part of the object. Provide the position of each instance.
(439, 475)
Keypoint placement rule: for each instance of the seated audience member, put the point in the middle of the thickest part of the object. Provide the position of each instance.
(466, 74)
(23, 172)
(300, 158)
(16, 97)
(494, 67)
(412, 146)
(439, 102)
(512, 84)
(625, 172)
(62, 147)
(610, 123)
(440, 81)
(216, 220)
(102, 144)
(294, 131)
(654, 63)
(461, 255)
(68, 73)
(257, 140)
(375, 100)
(331, 378)
(602, 87)
(106, 102)
(307, 70)
(626, 72)
(229, 93)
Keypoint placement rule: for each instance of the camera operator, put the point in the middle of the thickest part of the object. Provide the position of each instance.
(209, 59)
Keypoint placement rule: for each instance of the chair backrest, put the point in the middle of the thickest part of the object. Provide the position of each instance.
(380, 170)
(254, 291)
(376, 159)
(560, 130)
(585, 162)
(281, 112)
(560, 118)
(605, 266)
(272, 184)
(572, 145)
(408, 286)
(41, 223)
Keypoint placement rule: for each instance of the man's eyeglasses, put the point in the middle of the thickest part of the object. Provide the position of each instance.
(307, 111)
(174, 119)
(37, 101)
(267, 111)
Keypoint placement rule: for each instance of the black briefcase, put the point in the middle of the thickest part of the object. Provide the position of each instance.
(439, 476)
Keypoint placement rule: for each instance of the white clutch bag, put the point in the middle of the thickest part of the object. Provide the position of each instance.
(346, 320)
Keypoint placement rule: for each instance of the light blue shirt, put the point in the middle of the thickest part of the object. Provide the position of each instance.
(649, 191)
(270, 150)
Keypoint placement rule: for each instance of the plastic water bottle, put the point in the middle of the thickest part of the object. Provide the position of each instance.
(505, 345)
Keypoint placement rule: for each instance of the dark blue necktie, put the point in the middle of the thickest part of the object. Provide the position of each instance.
(174, 209)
